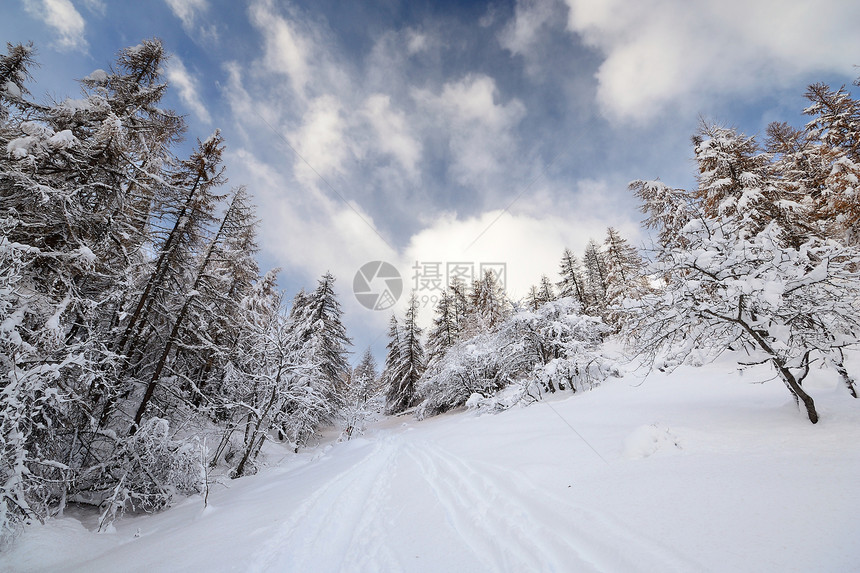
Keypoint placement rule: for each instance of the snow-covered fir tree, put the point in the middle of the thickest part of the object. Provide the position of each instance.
(318, 348)
(595, 277)
(572, 283)
(488, 305)
(358, 401)
(408, 363)
(625, 272)
(445, 329)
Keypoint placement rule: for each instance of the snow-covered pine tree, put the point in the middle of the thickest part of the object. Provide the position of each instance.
(625, 272)
(732, 168)
(403, 377)
(835, 129)
(392, 356)
(668, 210)
(546, 290)
(572, 283)
(365, 376)
(734, 281)
(151, 309)
(318, 352)
(216, 329)
(595, 277)
(445, 330)
(360, 391)
(14, 74)
(533, 299)
(460, 304)
(77, 187)
(201, 307)
(488, 306)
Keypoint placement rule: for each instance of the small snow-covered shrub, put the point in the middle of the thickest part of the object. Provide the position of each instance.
(554, 346)
(149, 470)
(474, 366)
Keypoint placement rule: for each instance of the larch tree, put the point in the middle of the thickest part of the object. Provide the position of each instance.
(734, 281)
(625, 272)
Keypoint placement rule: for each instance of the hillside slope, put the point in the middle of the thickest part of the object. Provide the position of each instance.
(702, 470)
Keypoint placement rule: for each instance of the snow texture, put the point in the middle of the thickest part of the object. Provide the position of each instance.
(701, 470)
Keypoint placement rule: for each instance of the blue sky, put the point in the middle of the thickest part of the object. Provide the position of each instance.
(452, 131)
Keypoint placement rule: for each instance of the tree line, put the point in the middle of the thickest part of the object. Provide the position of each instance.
(760, 259)
(135, 323)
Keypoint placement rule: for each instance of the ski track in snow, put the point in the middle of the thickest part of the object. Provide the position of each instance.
(505, 523)
(500, 519)
(313, 538)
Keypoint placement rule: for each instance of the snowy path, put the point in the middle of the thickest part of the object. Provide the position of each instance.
(374, 515)
(690, 478)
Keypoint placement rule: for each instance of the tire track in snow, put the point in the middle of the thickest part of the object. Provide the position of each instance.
(338, 527)
(513, 526)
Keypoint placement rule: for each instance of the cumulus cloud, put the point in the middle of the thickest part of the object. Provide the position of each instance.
(660, 54)
(528, 246)
(66, 21)
(182, 79)
(320, 141)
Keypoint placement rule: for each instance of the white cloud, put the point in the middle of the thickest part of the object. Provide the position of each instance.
(320, 141)
(62, 16)
(662, 54)
(310, 231)
(286, 50)
(182, 79)
(96, 6)
(417, 42)
(187, 11)
(479, 127)
(530, 19)
(393, 132)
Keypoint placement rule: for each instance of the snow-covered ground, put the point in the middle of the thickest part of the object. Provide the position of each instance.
(702, 470)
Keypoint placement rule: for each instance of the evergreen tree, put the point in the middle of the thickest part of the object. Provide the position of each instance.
(533, 299)
(388, 378)
(365, 376)
(595, 277)
(545, 288)
(202, 299)
(361, 388)
(625, 271)
(488, 306)
(408, 363)
(445, 330)
(572, 283)
(835, 131)
(318, 342)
